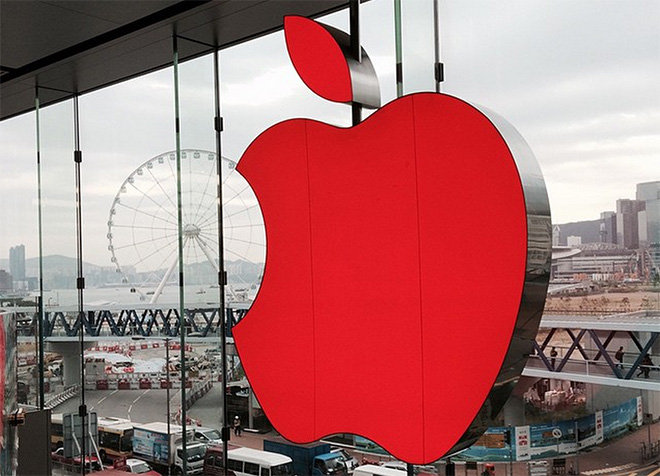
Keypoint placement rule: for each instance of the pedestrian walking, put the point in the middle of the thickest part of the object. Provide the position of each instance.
(237, 426)
(645, 367)
(553, 357)
(619, 357)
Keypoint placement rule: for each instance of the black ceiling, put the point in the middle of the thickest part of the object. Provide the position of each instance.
(78, 46)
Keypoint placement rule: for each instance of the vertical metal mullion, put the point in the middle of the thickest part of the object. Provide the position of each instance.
(437, 66)
(40, 320)
(222, 275)
(356, 52)
(182, 319)
(80, 283)
(398, 48)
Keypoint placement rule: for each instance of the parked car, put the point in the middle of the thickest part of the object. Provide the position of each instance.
(91, 462)
(417, 470)
(137, 466)
(208, 436)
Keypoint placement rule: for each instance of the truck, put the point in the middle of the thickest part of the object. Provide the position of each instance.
(314, 459)
(153, 444)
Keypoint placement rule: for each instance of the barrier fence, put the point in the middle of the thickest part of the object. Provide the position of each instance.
(557, 439)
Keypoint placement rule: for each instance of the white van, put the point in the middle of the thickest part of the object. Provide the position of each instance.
(374, 470)
(249, 462)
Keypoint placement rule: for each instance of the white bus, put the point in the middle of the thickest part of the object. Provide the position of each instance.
(374, 470)
(247, 462)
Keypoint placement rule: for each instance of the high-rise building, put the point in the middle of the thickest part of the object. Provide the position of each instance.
(649, 193)
(17, 262)
(556, 233)
(627, 225)
(608, 227)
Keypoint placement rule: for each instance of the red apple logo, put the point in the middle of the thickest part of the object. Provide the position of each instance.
(406, 268)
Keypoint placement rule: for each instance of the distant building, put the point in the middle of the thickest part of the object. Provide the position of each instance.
(6, 281)
(17, 262)
(649, 193)
(573, 240)
(556, 235)
(642, 229)
(608, 227)
(598, 264)
(588, 231)
(627, 225)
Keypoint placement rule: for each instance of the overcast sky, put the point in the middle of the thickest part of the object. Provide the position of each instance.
(579, 79)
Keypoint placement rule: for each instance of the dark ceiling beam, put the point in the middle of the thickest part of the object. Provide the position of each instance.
(137, 47)
(102, 39)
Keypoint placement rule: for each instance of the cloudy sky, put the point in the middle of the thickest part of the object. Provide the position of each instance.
(579, 79)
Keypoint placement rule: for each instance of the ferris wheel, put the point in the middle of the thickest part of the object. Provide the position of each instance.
(143, 224)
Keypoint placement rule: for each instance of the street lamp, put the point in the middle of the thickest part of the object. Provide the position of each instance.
(167, 392)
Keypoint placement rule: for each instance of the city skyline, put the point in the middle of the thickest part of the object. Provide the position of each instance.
(4, 262)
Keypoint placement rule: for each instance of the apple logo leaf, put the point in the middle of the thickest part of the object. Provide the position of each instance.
(318, 58)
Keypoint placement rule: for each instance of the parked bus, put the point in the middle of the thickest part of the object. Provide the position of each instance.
(115, 438)
(246, 462)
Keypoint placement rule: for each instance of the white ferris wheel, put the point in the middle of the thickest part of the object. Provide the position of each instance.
(143, 224)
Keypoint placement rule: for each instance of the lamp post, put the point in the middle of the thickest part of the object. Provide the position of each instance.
(167, 393)
(167, 396)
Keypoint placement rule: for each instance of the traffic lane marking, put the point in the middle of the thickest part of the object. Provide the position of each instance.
(135, 401)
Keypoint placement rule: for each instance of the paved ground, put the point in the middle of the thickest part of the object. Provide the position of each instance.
(143, 406)
(620, 457)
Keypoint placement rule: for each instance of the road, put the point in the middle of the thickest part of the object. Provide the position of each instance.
(650, 470)
(138, 405)
(145, 406)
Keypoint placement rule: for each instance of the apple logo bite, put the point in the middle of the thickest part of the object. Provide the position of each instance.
(406, 267)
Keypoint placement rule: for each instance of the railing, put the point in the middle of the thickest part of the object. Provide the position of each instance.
(650, 452)
(61, 397)
(599, 368)
(200, 322)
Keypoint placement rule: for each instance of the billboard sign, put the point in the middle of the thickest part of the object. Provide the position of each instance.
(72, 431)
